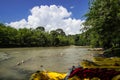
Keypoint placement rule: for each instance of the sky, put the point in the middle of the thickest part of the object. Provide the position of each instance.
(51, 14)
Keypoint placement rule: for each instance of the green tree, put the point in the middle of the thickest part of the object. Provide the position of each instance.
(104, 17)
(55, 40)
(40, 28)
(7, 36)
(24, 36)
(60, 32)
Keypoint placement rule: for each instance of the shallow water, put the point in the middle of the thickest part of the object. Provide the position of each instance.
(19, 63)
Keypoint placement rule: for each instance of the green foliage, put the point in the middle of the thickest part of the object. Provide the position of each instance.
(103, 19)
(40, 28)
(11, 37)
(82, 39)
(7, 35)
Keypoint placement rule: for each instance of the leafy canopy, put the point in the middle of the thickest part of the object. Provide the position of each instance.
(103, 19)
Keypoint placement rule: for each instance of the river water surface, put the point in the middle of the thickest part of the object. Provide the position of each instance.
(19, 63)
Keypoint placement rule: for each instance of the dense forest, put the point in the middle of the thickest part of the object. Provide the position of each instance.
(103, 23)
(102, 29)
(24, 37)
(11, 37)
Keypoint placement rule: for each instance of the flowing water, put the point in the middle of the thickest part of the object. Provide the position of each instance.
(19, 63)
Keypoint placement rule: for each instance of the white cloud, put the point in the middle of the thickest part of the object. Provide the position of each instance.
(51, 17)
(19, 24)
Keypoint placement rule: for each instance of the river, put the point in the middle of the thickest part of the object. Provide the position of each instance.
(19, 63)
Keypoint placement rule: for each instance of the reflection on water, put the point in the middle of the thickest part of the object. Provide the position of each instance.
(18, 63)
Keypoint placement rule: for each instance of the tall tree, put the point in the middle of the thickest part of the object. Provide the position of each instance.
(60, 31)
(40, 28)
(104, 17)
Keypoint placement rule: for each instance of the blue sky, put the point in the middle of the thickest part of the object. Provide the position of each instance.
(17, 10)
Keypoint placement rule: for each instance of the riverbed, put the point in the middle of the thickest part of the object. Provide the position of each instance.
(20, 63)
